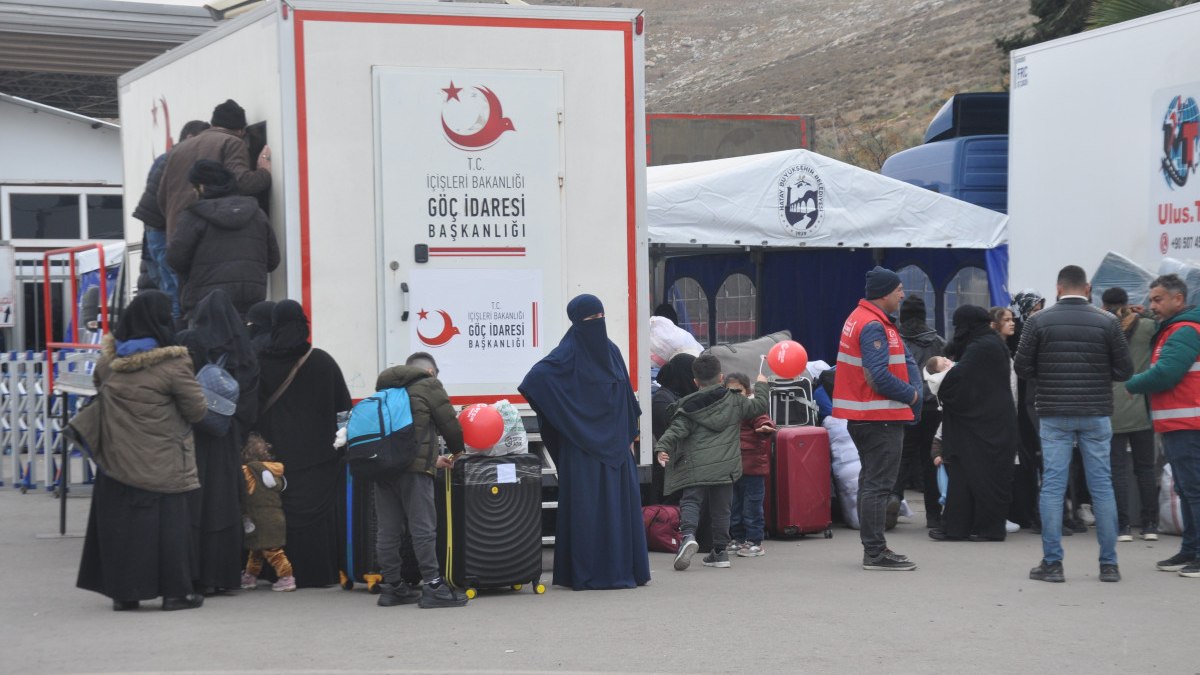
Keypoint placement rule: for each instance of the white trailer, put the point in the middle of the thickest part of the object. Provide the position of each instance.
(446, 176)
(1103, 148)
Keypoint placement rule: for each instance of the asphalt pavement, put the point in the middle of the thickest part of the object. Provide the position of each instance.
(807, 606)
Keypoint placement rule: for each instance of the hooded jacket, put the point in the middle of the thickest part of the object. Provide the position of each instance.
(704, 438)
(431, 411)
(263, 506)
(223, 243)
(150, 401)
(1131, 412)
(923, 343)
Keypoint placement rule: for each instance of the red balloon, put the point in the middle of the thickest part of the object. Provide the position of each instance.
(482, 426)
(788, 359)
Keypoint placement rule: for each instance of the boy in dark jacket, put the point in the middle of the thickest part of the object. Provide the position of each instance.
(404, 504)
(701, 451)
(746, 517)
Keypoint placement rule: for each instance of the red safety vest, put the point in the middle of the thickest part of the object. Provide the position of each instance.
(1178, 408)
(853, 398)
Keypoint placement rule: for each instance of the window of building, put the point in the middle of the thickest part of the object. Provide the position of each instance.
(691, 303)
(58, 215)
(736, 320)
(916, 282)
(968, 287)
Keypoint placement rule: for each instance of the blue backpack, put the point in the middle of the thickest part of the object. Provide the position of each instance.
(380, 438)
(221, 392)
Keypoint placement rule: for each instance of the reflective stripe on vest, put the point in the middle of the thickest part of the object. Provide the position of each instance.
(1178, 408)
(853, 397)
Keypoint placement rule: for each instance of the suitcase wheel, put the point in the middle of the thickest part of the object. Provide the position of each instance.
(517, 587)
(829, 533)
(373, 583)
(346, 582)
(471, 593)
(539, 589)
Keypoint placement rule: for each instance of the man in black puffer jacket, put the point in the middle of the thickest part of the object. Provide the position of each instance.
(1076, 351)
(222, 241)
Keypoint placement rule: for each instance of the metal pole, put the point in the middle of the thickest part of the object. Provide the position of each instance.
(64, 479)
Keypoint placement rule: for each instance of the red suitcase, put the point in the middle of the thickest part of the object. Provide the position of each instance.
(800, 489)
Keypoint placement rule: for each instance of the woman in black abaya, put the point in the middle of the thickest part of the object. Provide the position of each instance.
(300, 426)
(258, 322)
(979, 430)
(588, 414)
(675, 381)
(218, 333)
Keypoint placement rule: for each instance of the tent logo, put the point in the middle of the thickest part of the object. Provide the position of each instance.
(801, 201)
(1181, 141)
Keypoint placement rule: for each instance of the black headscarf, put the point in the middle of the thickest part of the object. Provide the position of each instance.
(213, 178)
(677, 375)
(970, 322)
(581, 389)
(218, 331)
(148, 316)
(258, 322)
(289, 331)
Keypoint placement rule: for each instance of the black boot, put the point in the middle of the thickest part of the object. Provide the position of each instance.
(391, 595)
(188, 602)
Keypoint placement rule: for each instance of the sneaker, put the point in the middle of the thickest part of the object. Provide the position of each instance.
(1075, 526)
(735, 546)
(1191, 570)
(895, 555)
(391, 595)
(1010, 527)
(892, 513)
(287, 583)
(249, 582)
(683, 558)
(442, 596)
(1175, 562)
(751, 551)
(888, 561)
(1125, 534)
(717, 559)
(1109, 573)
(1150, 532)
(1047, 571)
(1085, 515)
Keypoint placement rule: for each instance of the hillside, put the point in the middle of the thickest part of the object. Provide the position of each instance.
(869, 70)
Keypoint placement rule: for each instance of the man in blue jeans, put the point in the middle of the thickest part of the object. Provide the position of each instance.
(1076, 351)
(1173, 383)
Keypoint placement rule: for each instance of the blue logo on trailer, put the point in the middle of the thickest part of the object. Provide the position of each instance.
(1181, 141)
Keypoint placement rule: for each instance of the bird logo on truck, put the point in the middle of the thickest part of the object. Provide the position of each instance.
(474, 120)
(1181, 141)
(801, 200)
(448, 329)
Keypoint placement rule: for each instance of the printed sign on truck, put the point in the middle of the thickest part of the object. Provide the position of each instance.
(1175, 187)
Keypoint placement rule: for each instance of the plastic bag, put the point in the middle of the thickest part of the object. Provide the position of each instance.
(1170, 515)
(667, 340)
(1117, 270)
(846, 466)
(514, 441)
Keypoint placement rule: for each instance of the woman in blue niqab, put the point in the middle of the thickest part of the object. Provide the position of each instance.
(588, 416)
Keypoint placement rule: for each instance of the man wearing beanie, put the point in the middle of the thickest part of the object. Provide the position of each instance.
(923, 343)
(222, 241)
(877, 390)
(223, 143)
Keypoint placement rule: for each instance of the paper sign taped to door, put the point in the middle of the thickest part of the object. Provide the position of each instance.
(506, 473)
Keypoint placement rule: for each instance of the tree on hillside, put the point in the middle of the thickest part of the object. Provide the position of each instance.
(1056, 18)
(1109, 12)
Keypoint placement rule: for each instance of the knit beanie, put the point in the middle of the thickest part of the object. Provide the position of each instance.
(229, 115)
(880, 282)
(212, 176)
(913, 307)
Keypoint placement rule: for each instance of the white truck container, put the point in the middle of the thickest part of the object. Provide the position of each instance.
(1103, 148)
(446, 176)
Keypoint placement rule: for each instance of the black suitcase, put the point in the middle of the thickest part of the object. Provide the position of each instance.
(361, 558)
(792, 403)
(493, 530)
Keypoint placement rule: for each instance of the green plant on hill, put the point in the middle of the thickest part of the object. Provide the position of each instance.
(1109, 12)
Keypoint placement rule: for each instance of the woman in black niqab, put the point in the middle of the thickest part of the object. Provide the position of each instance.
(219, 336)
(979, 430)
(300, 426)
(258, 322)
(147, 316)
(588, 416)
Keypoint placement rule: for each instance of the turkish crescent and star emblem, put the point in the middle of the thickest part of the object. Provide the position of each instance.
(485, 128)
(448, 329)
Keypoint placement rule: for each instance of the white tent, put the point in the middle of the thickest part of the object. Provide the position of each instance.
(797, 198)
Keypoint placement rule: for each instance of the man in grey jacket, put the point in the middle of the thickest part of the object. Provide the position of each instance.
(1076, 351)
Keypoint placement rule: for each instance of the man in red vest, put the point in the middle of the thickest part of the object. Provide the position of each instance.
(1173, 383)
(877, 389)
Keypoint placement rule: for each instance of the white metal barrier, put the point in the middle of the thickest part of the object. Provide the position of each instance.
(31, 437)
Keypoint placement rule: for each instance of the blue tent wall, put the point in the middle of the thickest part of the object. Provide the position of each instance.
(810, 292)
